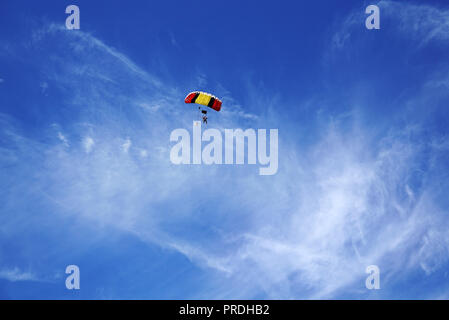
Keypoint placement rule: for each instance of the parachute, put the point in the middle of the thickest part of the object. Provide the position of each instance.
(205, 99)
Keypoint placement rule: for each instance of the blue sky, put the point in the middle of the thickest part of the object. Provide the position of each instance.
(86, 177)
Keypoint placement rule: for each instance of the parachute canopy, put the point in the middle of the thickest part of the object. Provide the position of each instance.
(205, 99)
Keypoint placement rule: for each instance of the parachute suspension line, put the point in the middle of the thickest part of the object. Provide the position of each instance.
(202, 115)
(199, 113)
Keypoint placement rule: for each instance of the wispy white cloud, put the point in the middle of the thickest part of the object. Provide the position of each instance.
(43, 86)
(88, 144)
(16, 274)
(63, 139)
(126, 145)
(421, 22)
(201, 80)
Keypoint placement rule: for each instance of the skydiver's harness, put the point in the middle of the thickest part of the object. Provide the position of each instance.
(204, 117)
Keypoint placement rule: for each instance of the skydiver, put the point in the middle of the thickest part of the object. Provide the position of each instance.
(205, 119)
